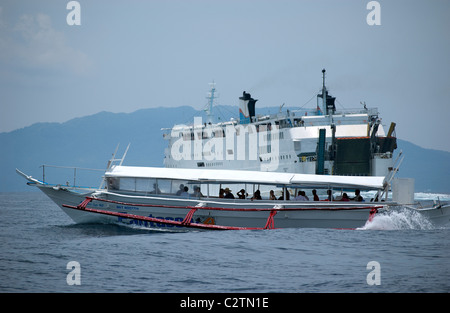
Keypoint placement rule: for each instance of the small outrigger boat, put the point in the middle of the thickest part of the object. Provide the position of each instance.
(177, 199)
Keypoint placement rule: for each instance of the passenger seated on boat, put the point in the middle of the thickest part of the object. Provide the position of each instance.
(221, 193)
(301, 196)
(257, 195)
(272, 195)
(155, 189)
(304, 195)
(316, 197)
(185, 193)
(113, 183)
(282, 195)
(358, 196)
(197, 193)
(241, 194)
(345, 197)
(330, 195)
(228, 194)
(181, 190)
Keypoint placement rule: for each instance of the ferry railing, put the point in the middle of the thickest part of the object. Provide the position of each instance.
(341, 111)
(75, 172)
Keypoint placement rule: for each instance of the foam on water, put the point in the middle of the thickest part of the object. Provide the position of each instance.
(431, 196)
(403, 218)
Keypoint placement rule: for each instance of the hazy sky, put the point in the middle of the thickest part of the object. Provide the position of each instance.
(128, 55)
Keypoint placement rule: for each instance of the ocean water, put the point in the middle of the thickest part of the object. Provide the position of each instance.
(37, 242)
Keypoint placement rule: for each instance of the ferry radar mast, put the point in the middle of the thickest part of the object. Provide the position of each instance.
(324, 92)
(328, 105)
(211, 96)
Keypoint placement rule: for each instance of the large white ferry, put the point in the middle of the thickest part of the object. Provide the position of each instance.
(324, 140)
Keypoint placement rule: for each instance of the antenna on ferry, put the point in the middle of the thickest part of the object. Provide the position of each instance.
(324, 92)
(323, 78)
(211, 96)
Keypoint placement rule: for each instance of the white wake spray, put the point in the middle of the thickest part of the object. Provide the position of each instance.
(403, 218)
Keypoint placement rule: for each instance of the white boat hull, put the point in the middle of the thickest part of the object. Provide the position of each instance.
(164, 211)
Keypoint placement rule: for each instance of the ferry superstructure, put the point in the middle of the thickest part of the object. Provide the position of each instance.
(323, 141)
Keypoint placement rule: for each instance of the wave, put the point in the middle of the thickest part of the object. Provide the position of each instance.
(397, 220)
(418, 196)
(431, 196)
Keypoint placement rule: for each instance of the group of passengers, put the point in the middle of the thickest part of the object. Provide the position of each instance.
(301, 195)
(241, 194)
(184, 192)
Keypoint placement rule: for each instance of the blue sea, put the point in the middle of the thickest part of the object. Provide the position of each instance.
(38, 242)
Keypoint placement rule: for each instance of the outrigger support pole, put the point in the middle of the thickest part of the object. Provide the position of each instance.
(390, 176)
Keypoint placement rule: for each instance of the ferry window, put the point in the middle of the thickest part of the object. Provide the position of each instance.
(164, 185)
(146, 185)
(127, 184)
(178, 186)
(218, 133)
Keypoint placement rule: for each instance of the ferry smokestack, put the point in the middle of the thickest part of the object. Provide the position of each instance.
(246, 108)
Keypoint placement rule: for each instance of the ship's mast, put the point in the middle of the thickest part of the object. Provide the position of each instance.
(210, 104)
(324, 92)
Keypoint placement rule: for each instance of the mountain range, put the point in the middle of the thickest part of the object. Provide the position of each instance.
(88, 142)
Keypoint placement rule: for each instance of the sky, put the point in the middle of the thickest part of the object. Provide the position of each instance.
(130, 55)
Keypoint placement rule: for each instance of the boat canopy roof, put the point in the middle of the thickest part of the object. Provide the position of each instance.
(251, 177)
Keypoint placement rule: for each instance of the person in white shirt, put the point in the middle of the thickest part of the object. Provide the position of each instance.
(301, 196)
